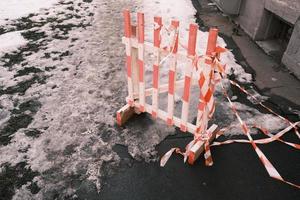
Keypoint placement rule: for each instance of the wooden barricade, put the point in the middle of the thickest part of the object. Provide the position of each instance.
(136, 46)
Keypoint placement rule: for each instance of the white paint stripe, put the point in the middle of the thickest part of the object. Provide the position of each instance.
(170, 105)
(130, 88)
(127, 42)
(142, 93)
(156, 54)
(141, 51)
(184, 112)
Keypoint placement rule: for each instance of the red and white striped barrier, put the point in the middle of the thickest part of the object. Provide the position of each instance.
(137, 90)
(210, 72)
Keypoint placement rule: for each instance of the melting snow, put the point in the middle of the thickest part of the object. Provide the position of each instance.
(14, 9)
(11, 41)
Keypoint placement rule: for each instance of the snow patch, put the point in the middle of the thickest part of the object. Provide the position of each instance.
(11, 41)
(14, 9)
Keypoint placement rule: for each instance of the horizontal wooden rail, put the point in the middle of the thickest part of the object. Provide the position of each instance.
(151, 49)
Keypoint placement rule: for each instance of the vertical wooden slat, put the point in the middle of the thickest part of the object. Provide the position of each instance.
(141, 38)
(155, 93)
(127, 32)
(211, 44)
(172, 74)
(188, 76)
(206, 100)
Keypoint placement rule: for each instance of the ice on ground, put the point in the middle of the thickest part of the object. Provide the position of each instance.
(249, 115)
(14, 9)
(11, 41)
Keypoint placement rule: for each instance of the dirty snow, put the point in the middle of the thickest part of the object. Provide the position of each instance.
(75, 78)
(14, 9)
(11, 41)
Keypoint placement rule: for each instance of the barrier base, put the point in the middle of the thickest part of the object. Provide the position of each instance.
(198, 148)
(124, 114)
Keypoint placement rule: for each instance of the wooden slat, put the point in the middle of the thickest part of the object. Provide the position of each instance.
(155, 90)
(188, 76)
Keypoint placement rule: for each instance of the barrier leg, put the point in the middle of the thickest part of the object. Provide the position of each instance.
(206, 105)
(199, 146)
(128, 34)
(124, 114)
(132, 72)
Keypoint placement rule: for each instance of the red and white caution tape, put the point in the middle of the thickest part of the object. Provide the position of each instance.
(267, 164)
(270, 110)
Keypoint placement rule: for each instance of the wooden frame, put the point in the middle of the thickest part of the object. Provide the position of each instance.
(135, 48)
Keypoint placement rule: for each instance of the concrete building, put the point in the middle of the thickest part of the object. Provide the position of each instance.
(273, 24)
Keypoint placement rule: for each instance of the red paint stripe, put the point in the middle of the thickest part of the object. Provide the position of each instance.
(133, 30)
(175, 23)
(169, 122)
(245, 128)
(191, 158)
(141, 22)
(156, 36)
(201, 80)
(130, 102)
(183, 128)
(208, 95)
(128, 63)
(155, 76)
(192, 39)
(127, 23)
(118, 118)
(201, 106)
(154, 114)
(212, 41)
(171, 82)
(186, 93)
(208, 61)
(142, 108)
(141, 71)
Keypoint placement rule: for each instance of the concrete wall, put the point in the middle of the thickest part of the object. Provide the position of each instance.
(291, 57)
(257, 19)
(288, 10)
(251, 17)
(256, 15)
